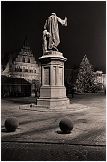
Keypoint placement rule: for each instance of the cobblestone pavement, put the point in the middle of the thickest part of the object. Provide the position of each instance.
(86, 112)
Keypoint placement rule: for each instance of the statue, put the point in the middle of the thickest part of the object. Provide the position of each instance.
(51, 32)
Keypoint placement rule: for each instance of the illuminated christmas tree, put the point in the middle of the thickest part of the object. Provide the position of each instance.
(85, 79)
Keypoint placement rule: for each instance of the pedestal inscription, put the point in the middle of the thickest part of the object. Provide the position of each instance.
(54, 75)
(60, 75)
(46, 76)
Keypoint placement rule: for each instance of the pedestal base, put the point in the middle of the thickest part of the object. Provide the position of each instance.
(52, 91)
(51, 103)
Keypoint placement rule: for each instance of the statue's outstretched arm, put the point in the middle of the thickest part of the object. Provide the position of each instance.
(63, 22)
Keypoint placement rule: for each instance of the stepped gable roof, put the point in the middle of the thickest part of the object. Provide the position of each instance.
(9, 57)
(25, 47)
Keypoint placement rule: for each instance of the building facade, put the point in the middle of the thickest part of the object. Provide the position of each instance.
(24, 66)
(100, 79)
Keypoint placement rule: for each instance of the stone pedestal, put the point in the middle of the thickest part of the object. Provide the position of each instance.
(52, 91)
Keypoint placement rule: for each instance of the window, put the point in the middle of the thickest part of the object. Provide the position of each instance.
(23, 69)
(26, 70)
(23, 59)
(17, 69)
(20, 70)
(28, 60)
(35, 71)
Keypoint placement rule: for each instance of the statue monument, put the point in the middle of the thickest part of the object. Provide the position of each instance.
(52, 91)
(51, 32)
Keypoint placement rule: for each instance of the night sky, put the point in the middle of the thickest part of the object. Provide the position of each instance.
(85, 33)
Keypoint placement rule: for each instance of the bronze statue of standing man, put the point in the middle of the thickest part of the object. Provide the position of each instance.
(51, 37)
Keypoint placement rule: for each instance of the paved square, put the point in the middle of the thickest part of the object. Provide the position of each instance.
(86, 112)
